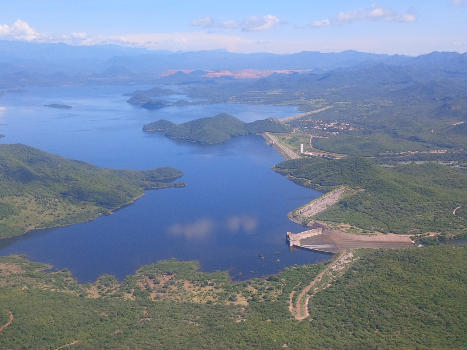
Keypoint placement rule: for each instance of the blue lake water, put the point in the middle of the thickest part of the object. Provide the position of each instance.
(232, 212)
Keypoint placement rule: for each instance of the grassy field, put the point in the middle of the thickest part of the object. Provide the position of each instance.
(40, 190)
(398, 299)
(368, 145)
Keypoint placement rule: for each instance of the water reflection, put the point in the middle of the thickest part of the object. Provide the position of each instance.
(242, 223)
(197, 229)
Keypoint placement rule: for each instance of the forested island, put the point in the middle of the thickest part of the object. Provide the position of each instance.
(150, 99)
(42, 190)
(213, 130)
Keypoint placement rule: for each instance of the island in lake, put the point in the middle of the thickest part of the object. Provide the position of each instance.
(42, 190)
(150, 99)
(214, 130)
(58, 106)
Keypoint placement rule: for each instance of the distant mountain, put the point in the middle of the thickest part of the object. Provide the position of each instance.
(223, 60)
(24, 63)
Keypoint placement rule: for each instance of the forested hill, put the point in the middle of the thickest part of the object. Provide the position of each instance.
(414, 198)
(39, 189)
(213, 130)
(384, 299)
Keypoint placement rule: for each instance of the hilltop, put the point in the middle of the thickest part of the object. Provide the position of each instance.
(213, 130)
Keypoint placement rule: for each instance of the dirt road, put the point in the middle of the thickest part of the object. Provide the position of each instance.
(300, 309)
(8, 323)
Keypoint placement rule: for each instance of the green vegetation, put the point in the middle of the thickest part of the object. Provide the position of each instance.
(40, 190)
(414, 198)
(147, 102)
(367, 145)
(408, 287)
(391, 107)
(150, 99)
(214, 130)
(397, 299)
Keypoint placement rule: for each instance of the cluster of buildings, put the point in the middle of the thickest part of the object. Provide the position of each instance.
(333, 127)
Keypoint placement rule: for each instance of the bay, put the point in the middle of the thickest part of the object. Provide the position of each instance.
(231, 216)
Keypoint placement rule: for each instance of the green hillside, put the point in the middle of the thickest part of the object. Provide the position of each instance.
(213, 130)
(414, 198)
(40, 190)
(384, 299)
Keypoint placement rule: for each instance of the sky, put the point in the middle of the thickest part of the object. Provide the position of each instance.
(389, 26)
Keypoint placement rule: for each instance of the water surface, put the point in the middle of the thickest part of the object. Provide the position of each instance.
(231, 216)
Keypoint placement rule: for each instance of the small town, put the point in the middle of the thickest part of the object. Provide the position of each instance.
(333, 127)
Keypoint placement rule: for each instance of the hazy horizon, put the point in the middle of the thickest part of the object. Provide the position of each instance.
(389, 27)
(151, 50)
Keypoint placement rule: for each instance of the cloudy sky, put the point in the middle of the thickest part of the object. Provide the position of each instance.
(396, 26)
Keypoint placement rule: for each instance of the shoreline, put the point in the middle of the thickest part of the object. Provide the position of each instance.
(110, 212)
(319, 236)
(283, 150)
(94, 217)
(317, 205)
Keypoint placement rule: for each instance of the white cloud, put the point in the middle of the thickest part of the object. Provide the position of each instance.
(256, 24)
(323, 23)
(186, 41)
(205, 22)
(459, 3)
(251, 24)
(412, 43)
(231, 24)
(19, 30)
(191, 41)
(80, 35)
(374, 13)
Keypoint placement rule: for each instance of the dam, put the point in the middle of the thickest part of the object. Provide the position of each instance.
(323, 239)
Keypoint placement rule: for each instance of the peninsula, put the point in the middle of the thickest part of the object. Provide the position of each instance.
(42, 190)
(214, 130)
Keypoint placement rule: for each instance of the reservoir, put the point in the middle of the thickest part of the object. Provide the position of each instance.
(232, 215)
